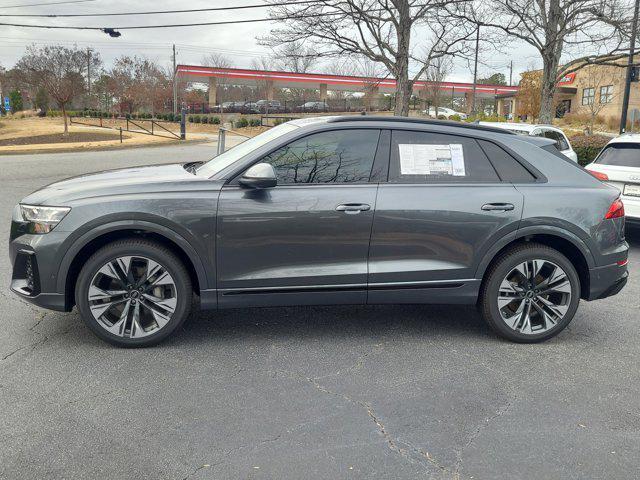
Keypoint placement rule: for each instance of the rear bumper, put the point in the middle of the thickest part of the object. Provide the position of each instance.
(607, 281)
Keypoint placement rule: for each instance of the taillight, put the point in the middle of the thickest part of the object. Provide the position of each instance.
(599, 175)
(616, 210)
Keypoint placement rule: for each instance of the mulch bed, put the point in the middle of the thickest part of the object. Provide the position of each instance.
(74, 137)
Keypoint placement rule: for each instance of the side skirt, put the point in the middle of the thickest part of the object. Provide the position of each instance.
(444, 292)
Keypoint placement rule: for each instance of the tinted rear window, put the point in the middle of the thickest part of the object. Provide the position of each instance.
(621, 155)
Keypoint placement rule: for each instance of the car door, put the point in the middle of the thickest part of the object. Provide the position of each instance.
(306, 240)
(441, 209)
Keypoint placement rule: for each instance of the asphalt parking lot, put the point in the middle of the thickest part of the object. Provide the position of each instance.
(317, 392)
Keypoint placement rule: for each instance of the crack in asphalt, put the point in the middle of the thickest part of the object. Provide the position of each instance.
(227, 453)
(412, 454)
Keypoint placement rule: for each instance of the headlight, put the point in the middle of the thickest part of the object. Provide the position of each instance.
(42, 219)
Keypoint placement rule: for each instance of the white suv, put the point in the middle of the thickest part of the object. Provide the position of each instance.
(547, 131)
(618, 164)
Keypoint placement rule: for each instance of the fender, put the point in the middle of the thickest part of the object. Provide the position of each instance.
(533, 230)
(147, 226)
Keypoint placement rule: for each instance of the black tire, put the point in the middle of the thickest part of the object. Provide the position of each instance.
(142, 248)
(505, 263)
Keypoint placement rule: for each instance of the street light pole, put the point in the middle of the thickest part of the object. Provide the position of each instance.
(627, 85)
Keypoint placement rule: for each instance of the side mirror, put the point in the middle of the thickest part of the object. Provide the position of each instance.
(261, 175)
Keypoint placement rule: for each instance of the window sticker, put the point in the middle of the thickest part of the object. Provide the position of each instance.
(424, 159)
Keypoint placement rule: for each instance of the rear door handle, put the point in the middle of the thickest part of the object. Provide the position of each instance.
(353, 208)
(498, 207)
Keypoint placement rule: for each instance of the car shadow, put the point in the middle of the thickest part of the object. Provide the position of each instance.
(327, 322)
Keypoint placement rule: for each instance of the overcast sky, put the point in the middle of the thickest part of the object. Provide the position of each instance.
(238, 42)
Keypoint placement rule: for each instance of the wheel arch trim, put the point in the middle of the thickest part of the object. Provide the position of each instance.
(525, 232)
(122, 225)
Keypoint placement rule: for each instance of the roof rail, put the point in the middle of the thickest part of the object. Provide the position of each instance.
(422, 121)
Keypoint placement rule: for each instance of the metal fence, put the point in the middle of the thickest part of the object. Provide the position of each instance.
(144, 126)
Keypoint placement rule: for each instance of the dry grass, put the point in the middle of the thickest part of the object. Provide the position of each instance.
(34, 126)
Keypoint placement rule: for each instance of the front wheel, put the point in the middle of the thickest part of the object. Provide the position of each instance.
(530, 293)
(133, 293)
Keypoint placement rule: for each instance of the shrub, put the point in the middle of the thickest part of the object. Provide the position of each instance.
(254, 122)
(241, 123)
(587, 147)
(205, 119)
(190, 118)
(215, 120)
(196, 119)
(455, 117)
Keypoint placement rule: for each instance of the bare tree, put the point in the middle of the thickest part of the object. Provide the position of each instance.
(216, 60)
(135, 81)
(557, 27)
(380, 30)
(600, 81)
(435, 74)
(295, 57)
(58, 70)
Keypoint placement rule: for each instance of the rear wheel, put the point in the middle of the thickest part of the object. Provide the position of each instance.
(530, 294)
(133, 293)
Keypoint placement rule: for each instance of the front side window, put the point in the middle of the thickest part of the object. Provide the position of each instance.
(336, 156)
(587, 95)
(425, 157)
(606, 94)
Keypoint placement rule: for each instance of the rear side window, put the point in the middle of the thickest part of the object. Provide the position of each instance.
(425, 157)
(562, 143)
(620, 155)
(509, 169)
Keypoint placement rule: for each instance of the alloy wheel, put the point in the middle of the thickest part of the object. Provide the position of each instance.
(534, 296)
(132, 296)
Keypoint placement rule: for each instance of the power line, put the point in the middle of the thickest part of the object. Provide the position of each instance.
(158, 12)
(178, 25)
(45, 4)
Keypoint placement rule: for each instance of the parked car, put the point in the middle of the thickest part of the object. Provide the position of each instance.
(250, 108)
(408, 211)
(444, 113)
(270, 106)
(618, 164)
(312, 107)
(546, 131)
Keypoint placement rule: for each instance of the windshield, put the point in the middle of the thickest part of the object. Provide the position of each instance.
(222, 161)
(620, 155)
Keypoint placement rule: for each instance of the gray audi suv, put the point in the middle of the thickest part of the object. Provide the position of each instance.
(329, 210)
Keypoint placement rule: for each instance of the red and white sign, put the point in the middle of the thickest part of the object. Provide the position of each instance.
(567, 79)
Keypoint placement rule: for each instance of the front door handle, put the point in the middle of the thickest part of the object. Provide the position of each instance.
(353, 208)
(498, 207)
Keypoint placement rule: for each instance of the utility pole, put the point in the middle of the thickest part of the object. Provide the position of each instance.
(511, 73)
(88, 77)
(627, 85)
(475, 71)
(175, 86)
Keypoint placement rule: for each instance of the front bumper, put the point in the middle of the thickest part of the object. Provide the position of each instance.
(35, 261)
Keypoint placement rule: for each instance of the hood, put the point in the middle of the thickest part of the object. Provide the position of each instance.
(136, 180)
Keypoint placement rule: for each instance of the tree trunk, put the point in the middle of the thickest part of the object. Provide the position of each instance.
(64, 116)
(548, 90)
(403, 84)
(403, 95)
